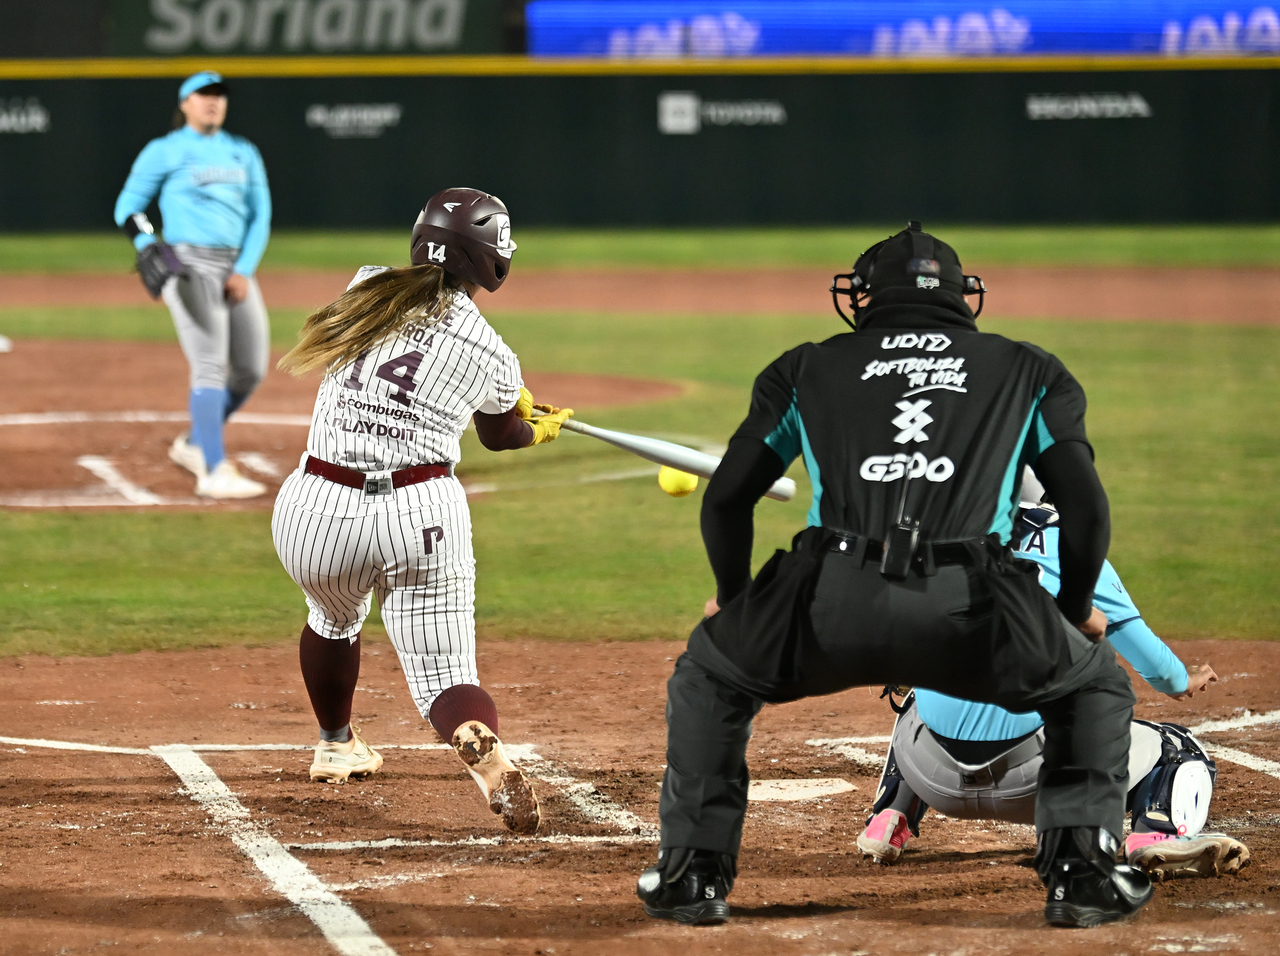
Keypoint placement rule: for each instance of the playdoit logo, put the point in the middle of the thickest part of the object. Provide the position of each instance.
(324, 26)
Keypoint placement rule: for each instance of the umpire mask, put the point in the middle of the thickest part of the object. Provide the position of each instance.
(912, 268)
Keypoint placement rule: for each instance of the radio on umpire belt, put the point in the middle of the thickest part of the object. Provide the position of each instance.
(911, 267)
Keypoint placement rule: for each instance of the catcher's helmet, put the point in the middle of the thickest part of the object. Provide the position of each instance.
(921, 267)
(467, 233)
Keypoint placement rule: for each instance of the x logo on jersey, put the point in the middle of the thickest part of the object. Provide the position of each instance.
(912, 421)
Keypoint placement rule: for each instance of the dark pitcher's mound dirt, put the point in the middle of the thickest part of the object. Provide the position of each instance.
(103, 851)
(68, 376)
(1239, 296)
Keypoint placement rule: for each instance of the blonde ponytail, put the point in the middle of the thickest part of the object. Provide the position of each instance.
(367, 313)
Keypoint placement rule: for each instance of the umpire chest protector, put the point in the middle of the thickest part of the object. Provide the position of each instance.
(915, 419)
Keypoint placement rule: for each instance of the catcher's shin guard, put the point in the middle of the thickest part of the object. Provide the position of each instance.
(1086, 886)
(891, 782)
(688, 886)
(1174, 797)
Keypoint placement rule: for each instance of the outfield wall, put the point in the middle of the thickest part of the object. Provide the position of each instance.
(677, 145)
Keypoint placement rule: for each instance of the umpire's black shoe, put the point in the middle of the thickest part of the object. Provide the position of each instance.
(688, 886)
(1087, 886)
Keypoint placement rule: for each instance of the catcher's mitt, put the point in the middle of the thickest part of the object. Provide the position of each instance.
(156, 263)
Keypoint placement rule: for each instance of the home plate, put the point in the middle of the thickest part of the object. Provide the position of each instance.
(775, 790)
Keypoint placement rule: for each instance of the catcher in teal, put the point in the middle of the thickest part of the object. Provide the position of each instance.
(216, 213)
(978, 761)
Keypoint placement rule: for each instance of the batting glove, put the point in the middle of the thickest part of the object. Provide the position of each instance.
(547, 427)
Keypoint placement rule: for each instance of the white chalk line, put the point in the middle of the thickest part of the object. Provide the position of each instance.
(1246, 719)
(337, 920)
(589, 801)
(394, 843)
(1248, 760)
(111, 477)
(126, 494)
(81, 418)
(846, 746)
(71, 745)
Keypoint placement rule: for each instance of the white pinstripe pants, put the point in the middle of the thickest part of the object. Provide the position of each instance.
(412, 548)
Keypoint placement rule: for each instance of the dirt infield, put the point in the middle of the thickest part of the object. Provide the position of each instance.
(1237, 296)
(54, 459)
(110, 850)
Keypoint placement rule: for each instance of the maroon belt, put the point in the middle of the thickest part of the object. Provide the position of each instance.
(373, 485)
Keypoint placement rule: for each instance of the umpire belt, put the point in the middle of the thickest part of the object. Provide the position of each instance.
(375, 482)
(929, 556)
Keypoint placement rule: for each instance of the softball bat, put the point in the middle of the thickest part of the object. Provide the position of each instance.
(673, 455)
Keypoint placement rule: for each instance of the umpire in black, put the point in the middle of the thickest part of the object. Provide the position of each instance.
(915, 429)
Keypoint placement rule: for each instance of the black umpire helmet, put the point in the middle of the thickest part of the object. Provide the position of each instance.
(912, 268)
(467, 233)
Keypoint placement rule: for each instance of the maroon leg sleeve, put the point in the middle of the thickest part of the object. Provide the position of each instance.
(330, 670)
(457, 705)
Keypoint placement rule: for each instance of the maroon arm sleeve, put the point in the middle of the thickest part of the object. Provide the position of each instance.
(503, 432)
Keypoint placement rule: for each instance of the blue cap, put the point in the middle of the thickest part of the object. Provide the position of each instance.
(199, 81)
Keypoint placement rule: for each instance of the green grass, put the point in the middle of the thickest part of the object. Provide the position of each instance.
(1182, 418)
(826, 248)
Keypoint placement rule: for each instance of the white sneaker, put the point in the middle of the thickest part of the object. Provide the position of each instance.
(334, 762)
(226, 482)
(508, 791)
(187, 454)
(6, 344)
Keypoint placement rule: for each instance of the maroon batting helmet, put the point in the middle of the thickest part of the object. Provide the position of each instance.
(467, 233)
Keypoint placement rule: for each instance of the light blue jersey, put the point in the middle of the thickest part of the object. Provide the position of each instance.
(213, 193)
(1128, 633)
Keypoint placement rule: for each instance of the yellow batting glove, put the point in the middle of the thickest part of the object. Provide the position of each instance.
(547, 427)
(524, 404)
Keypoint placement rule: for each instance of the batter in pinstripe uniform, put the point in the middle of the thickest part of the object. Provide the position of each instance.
(374, 506)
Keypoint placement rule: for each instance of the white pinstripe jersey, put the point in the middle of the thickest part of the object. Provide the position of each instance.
(407, 400)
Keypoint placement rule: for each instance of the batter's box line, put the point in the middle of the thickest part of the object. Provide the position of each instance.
(339, 923)
(390, 843)
(847, 746)
(595, 806)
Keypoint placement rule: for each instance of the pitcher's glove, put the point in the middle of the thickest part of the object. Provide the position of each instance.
(156, 263)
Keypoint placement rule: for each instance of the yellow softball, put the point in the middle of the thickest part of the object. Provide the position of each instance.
(676, 483)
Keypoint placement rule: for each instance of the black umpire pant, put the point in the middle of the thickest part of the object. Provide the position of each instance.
(983, 631)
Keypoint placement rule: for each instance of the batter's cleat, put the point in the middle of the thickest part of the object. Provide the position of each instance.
(336, 762)
(1165, 857)
(187, 454)
(226, 482)
(885, 836)
(688, 886)
(1087, 887)
(508, 791)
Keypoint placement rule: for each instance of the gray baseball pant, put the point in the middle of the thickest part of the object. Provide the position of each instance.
(1000, 789)
(226, 345)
